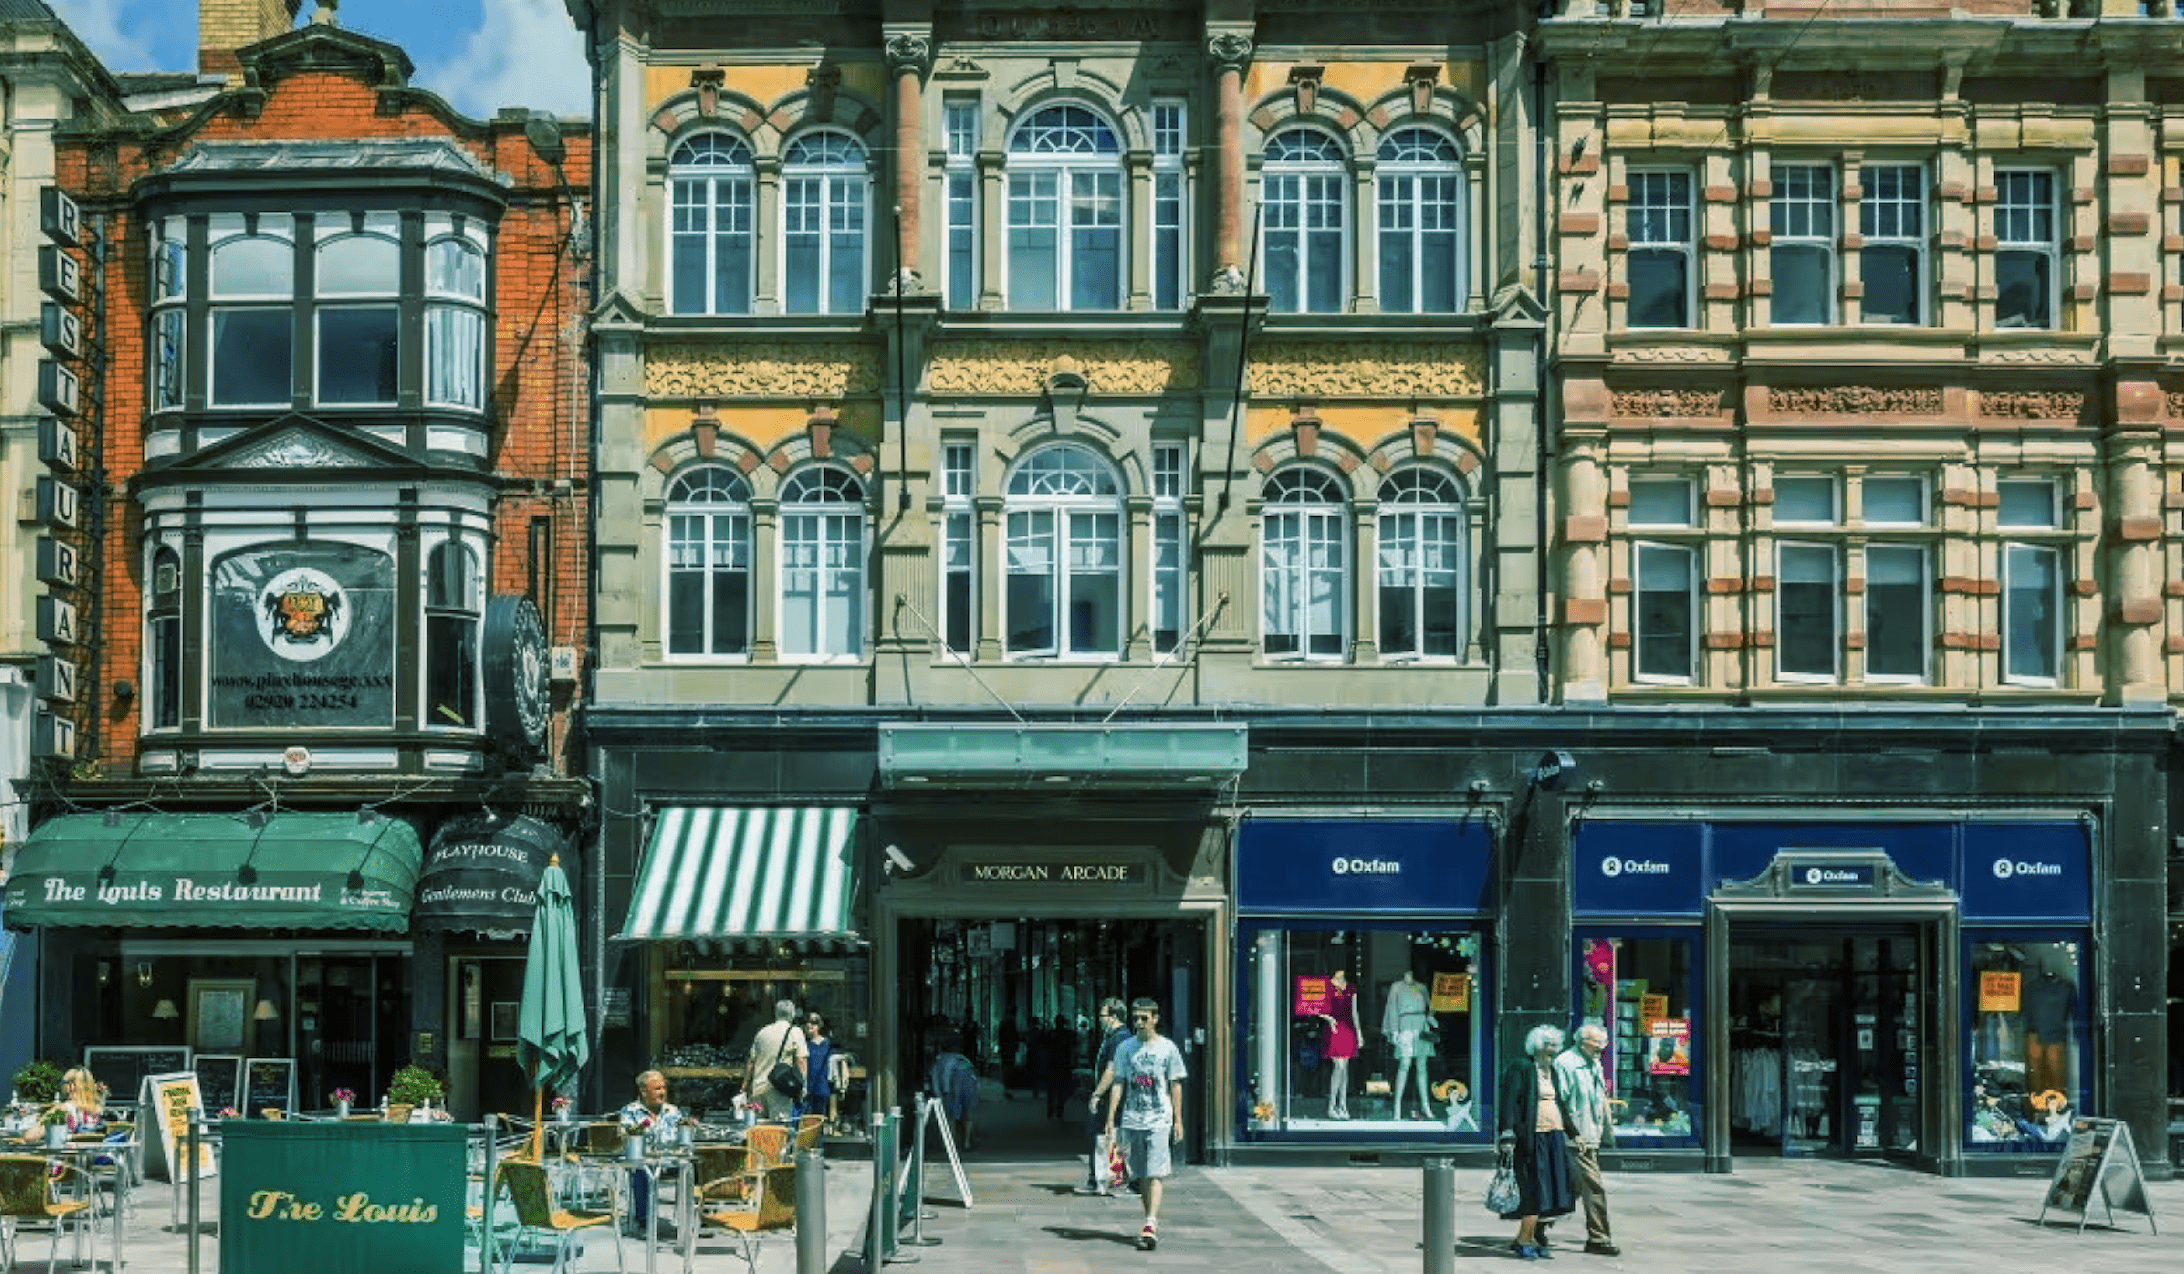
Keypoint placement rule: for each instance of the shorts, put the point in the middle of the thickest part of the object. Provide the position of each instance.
(1145, 1152)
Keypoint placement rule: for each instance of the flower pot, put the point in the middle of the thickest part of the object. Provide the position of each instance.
(341, 1110)
(56, 1136)
(566, 1115)
(633, 1149)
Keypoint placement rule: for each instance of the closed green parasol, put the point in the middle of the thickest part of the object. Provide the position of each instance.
(551, 1043)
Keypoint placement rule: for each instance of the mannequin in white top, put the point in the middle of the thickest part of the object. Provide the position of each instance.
(1408, 1023)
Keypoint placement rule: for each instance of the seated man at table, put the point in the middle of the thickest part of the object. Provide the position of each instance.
(779, 1044)
(657, 1120)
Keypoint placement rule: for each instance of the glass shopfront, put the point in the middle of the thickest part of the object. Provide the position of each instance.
(1362, 953)
(1636, 896)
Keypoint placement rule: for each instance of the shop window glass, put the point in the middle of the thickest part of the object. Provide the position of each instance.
(1640, 990)
(1398, 1045)
(2027, 1014)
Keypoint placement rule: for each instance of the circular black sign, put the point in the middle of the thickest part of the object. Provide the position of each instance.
(515, 674)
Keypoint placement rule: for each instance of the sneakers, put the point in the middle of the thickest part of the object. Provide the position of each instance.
(1088, 1191)
(1526, 1252)
(1597, 1247)
(1148, 1238)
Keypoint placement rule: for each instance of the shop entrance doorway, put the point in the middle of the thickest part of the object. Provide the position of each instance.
(1022, 996)
(1824, 1030)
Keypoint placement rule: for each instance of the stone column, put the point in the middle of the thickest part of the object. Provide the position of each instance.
(1229, 52)
(987, 553)
(1584, 580)
(2135, 526)
(1137, 593)
(765, 581)
(1365, 582)
(907, 54)
(767, 269)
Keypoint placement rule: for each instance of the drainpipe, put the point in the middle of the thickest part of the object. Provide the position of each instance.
(1539, 396)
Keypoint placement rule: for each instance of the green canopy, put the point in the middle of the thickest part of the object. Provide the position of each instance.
(230, 871)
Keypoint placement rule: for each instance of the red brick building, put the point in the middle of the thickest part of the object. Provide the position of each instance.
(334, 589)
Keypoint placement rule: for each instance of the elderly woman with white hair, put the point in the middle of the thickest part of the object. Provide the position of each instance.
(1530, 1130)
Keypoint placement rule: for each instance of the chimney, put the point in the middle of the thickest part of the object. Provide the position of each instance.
(223, 26)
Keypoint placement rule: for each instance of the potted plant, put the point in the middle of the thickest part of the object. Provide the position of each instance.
(56, 1127)
(343, 1099)
(38, 1081)
(564, 1109)
(634, 1132)
(415, 1087)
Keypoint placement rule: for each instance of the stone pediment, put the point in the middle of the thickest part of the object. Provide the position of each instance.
(292, 443)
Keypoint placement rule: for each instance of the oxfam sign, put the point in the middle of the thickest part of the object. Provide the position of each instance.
(2007, 868)
(1834, 875)
(1613, 866)
(1366, 867)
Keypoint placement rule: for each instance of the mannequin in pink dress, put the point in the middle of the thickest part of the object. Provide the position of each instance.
(1341, 1044)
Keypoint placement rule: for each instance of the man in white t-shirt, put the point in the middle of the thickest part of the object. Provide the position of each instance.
(1148, 1098)
(779, 1044)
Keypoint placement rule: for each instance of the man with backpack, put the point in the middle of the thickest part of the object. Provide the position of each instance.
(955, 1083)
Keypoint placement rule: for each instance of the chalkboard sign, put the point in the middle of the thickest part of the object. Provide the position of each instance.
(123, 1068)
(220, 1080)
(168, 1101)
(2099, 1160)
(269, 1084)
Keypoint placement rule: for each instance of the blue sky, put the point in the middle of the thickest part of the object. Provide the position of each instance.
(481, 55)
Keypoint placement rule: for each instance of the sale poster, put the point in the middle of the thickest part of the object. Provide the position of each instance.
(2000, 992)
(1670, 1051)
(1652, 1008)
(1451, 993)
(1311, 994)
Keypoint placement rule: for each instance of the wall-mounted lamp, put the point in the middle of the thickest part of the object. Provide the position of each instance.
(144, 973)
(265, 1012)
(165, 1011)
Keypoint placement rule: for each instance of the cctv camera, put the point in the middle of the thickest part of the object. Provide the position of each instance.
(899, 860)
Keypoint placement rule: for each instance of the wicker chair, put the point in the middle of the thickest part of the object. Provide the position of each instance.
(773, 1209)
(723, 1173)
(808, 1129)
(768, 1144)
(26, 1195)
(531, 1194)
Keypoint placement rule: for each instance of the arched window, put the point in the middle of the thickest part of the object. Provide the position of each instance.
(454, 323)
(454, 605)
(708, 563)
(1063, 594)
(822, 564)
(710, 238)
(1304, 565)
(1421, 209)
(163, 617)
(1421, 565)
(359, 338)
(1065, 231)
(253, 313)
(823, 225)
(1306, 190)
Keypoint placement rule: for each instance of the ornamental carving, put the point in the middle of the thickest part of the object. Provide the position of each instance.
(1228, 51)
(1672, 354)
(908, 52)
(1854, 400)
(770, 370)
(1667, 402)
(2036, 354)
(1024, 367)
(2038, 404)
(2176, 404)
(1386, 369)
(294, 449)
(1065, 22)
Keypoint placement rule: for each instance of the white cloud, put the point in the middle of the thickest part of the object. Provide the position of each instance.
(120, 45)
(525, 53)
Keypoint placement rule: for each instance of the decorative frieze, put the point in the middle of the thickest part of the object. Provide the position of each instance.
(2032, 404)
(1022, 367)
(770, 370)
(1648, 403)
(1672, 354)
(1386, 369)
(2175, 399)
(1854, 400)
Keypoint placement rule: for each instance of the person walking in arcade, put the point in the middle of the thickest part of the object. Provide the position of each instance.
(1148, 1098)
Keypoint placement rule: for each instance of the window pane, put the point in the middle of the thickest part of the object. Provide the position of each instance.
(2025, 502)
(1324, 585)
(451, 671)
(956, 581)
(1095, 246)
(1167, 582)
(2033, 1047)
(254, 267)
(1283, 251)
(1805, 642)
(1801, 285)
(2023, 289)
(1095, 583)
(1653, 1096)
(2031, 605)
(166, 672)
(1278, 575)
(802, 214)
(455, 268)
(845, 247)
(731, 614)
(167, 360)
(357, 354)
(1895, 501)
(1804, 500)
(455, 356)
(1660, 502)
(1030, 596)
(1663, 605)
(962, 240)
(1895, 611)
(1034, 241)
(1890, 274)
(1660, 295)
(251, 363)
(359, 264)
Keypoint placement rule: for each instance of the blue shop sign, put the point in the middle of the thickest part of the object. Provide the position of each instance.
(1921, 851)
(1807, 874)
(2028, 871)
(1369, 866)
(1638, 869)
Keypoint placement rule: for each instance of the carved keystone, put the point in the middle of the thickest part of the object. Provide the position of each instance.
(1421, 77)
(819, 428)
(1304, 427)
(708, 80)
(1305, 79)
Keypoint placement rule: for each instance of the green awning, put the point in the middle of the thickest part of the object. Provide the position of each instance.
(723, 874)
(1118, 756)
(291, 871)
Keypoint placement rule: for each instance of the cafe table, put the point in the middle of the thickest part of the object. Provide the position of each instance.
(80, 1154)
(675, 1161)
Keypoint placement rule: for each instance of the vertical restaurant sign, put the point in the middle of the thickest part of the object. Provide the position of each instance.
(1451, 993)
(1999, 991)
(303, 635)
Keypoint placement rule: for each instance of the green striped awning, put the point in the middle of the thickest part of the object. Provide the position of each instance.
(714, 873)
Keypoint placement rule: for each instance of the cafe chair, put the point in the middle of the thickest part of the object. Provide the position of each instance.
(119, 1170)
(26, 1197)
(723, 1173)
(531, 1196)
(768, 1144)
(773, 1209)
(808, 1129)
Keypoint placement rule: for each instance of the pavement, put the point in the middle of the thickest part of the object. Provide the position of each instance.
(1769, 1216)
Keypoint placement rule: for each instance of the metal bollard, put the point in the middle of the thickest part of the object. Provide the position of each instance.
(811, 1212)
(883, 1193)
(189, 1169)
(891, 1215)
(1440, 1216)
(485, 1215)
(914, 1214)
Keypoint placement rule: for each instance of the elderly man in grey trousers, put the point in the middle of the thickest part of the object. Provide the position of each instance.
(1584, 1092)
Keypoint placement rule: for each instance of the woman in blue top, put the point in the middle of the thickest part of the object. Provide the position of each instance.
(818, 1050)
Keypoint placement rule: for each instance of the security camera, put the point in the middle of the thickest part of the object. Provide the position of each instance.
(899, 860)
(1553, 768)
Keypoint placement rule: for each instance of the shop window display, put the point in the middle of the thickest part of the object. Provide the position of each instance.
(1364, 1030)
(1640, 990)
(708, 1008)
(2027, 1022)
